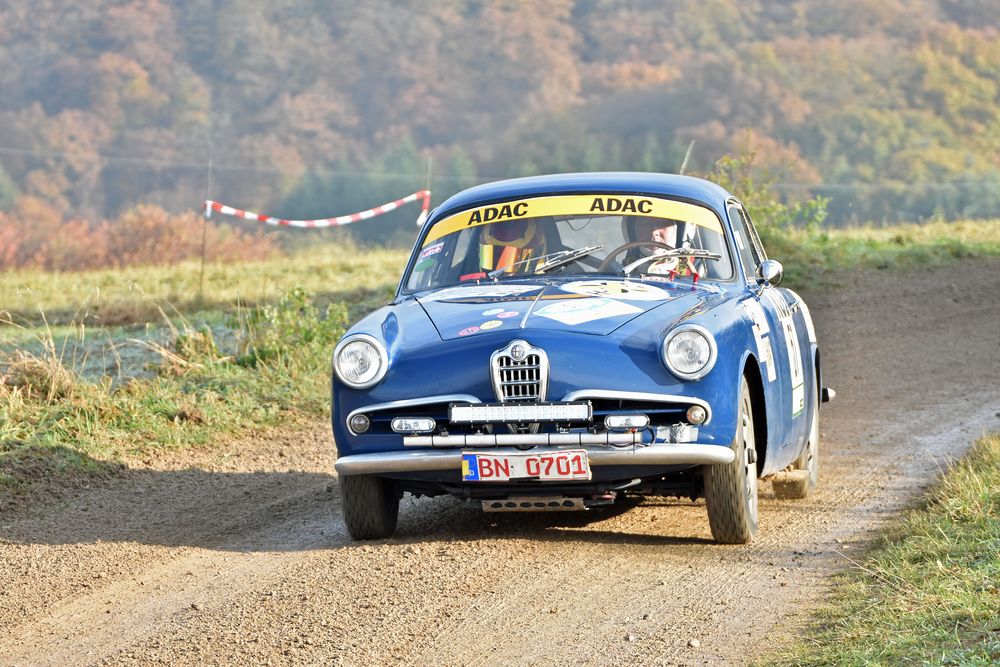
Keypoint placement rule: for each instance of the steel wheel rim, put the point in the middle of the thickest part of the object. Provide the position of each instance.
(811, 456)
(813, 444)
(749, 462)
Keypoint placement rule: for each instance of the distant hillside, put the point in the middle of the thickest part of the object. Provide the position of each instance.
(308, 107)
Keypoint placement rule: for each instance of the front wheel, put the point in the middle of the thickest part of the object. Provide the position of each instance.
(731, 488)
(370, 506)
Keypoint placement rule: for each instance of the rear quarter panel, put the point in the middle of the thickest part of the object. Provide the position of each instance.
(787, 351)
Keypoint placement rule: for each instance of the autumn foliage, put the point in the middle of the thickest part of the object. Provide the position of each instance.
(888, 108)
(34, 235)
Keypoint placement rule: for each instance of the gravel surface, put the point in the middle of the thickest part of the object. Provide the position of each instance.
(237, 555)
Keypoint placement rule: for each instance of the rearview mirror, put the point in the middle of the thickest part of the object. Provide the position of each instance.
(770, 272)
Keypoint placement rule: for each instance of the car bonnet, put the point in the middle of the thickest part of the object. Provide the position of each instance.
(595, 306)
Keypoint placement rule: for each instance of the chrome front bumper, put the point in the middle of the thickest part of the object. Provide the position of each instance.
(451, 459)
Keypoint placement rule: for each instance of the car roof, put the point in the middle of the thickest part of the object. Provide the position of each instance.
(618, 182)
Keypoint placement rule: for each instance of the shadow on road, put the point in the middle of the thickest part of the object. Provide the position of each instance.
(271, 511)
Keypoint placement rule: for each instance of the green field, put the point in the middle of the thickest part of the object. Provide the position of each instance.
(814, 258)
(110, 366)
(133, 295)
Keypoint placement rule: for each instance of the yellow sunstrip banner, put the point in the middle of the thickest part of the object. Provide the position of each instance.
(582, 205)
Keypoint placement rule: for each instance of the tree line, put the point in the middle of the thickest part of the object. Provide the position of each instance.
(888, 108)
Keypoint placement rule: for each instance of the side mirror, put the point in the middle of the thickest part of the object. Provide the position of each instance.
(770, 272)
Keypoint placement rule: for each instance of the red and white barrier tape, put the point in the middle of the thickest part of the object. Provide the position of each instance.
(325, 222)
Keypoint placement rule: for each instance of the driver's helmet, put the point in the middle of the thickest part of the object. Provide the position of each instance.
(672, 233)
(503, 244)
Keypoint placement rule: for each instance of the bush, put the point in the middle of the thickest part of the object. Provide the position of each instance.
(291, 327)
(34, 235)
(41, 377)
(755, 186)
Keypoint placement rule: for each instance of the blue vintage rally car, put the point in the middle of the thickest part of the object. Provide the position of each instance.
(560, 341)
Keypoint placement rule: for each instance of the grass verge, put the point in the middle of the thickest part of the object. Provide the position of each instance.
(814, 258)
(57, 425)
(79, 394)
(929, 593)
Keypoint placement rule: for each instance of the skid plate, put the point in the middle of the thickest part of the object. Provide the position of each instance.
(534, 504)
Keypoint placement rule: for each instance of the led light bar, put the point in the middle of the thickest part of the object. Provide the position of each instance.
(485, 413)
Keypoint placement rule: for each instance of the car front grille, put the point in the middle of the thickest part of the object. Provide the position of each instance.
(520, 372)
(519, 380)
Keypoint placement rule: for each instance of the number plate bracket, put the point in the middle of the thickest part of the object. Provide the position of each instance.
(561, 465)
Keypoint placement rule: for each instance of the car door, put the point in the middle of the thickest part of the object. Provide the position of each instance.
(779, 345)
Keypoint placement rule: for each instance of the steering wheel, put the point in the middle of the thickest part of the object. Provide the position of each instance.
(628, 246)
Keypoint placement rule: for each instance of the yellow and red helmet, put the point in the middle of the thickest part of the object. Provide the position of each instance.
(503, 244)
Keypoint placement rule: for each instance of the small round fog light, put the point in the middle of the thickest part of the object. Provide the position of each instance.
(360, 423)
(696, 414)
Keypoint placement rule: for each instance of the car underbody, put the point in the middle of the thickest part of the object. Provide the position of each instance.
(548, 496)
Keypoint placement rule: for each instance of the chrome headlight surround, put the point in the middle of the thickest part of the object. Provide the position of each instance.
(713, 351)
(365, 339)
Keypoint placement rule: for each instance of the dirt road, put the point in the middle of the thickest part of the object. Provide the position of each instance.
(237, 556)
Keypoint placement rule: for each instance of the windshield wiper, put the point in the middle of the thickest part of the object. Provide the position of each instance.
(566, 257)
(676, 252)
(550, 258)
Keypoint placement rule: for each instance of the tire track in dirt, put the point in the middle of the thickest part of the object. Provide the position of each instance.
(134, 608)
(648, 615)
(915, 362)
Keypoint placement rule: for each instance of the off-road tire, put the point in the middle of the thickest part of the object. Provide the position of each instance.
(731, 489)
(370, 506)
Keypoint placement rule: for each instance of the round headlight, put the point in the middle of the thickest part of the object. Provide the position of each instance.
(689, 352)
(360, 361)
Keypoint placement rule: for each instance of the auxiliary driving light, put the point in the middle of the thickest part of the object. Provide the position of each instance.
(413, 425)
(696, 414)
(359, 423)
(626, 422)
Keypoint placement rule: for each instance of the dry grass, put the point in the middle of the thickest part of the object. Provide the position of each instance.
(129, 295)
(963, 231)
(812, 257)
(44, 370)
(32, 376)
(54, 419)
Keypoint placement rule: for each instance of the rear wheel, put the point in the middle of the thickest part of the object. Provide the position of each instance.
(809, 460)
(731, 489)
(370, 506)
(801, 480)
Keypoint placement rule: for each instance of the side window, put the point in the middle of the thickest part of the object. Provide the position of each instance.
(758, 247)
(745, 237)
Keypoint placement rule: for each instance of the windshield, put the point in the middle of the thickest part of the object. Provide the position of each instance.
(573, 235)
